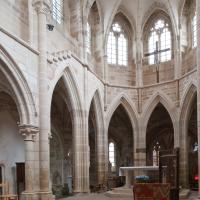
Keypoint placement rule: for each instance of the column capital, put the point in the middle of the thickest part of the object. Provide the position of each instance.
(42, 6)
(28, 132)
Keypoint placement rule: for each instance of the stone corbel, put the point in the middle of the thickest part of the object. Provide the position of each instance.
(42, 6)
(28, 132)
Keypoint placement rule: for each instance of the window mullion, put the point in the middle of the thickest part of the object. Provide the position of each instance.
(159, 47)
(117, 38)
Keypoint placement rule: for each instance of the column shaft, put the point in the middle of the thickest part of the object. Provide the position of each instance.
(43, 9)
(43, 105)
(198, 83)
(29, 132)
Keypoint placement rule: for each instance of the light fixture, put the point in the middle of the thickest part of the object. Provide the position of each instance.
(50, 27)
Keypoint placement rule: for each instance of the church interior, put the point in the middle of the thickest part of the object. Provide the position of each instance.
(100, 99)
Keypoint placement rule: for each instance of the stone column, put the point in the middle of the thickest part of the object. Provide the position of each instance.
(198, 84)
(80, 153)
(139, 47)
(30, 22)
(177, 65)
(140, 145)
(43, 9)
(105, 78)
(138, 61)
(29, 132)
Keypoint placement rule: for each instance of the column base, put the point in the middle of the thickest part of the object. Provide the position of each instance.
(46, 195)
(29, 196)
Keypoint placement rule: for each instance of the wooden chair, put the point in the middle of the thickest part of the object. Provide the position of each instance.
(5, 192)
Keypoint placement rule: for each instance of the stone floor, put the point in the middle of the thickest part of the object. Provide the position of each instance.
(93, 197)
(193, 196)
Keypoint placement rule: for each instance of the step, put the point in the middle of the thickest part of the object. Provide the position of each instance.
(183, 194)
(112, 194)
(123, 190)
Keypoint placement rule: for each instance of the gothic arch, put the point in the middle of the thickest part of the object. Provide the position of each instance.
(123, 100)
(67, 75)
(181, 7)
(185, 109)
(78, 121)
(20, 90)
(98, 105)
(120, 10)
(158, 6)
(187, 99)
(168, 105)
(89, 5)
(110, 20)
(101, 137)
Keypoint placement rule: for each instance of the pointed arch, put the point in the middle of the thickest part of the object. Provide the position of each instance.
(100, 136)
(120, 10)
(156, 7)
(185, 111)
(159, 97)
(181, 7)
(186, 105)
(68, 76)
(98, 104)
(20, 90)
(78, 127)
(123, 99)
(110, 21)
(72, 87)
(188, 96)
(89, 5)
(170, 108)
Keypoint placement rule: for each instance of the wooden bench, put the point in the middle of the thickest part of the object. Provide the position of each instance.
(5, 195)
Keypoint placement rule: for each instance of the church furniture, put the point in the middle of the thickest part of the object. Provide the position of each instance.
(127, 171)
(170, 159)
(151, 191)
(5, 192)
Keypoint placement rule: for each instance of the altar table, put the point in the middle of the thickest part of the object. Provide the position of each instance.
(127, 172)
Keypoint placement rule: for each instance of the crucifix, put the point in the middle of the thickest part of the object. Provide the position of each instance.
(156, 53)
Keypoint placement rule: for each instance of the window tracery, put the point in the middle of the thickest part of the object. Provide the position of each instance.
(117, 46)
(160, 33)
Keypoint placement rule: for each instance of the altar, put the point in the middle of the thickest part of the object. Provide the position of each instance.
(127, 172)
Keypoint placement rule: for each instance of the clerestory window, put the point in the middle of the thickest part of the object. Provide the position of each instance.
(88, 38)
(58, 10)
(117, 46)
(160, 41)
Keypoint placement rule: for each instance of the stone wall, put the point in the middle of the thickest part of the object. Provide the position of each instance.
(82, 79)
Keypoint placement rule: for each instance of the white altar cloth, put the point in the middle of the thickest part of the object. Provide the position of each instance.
(132, 168)
(126, 171)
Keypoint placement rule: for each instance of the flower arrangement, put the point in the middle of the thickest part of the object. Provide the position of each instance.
(142, 179)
